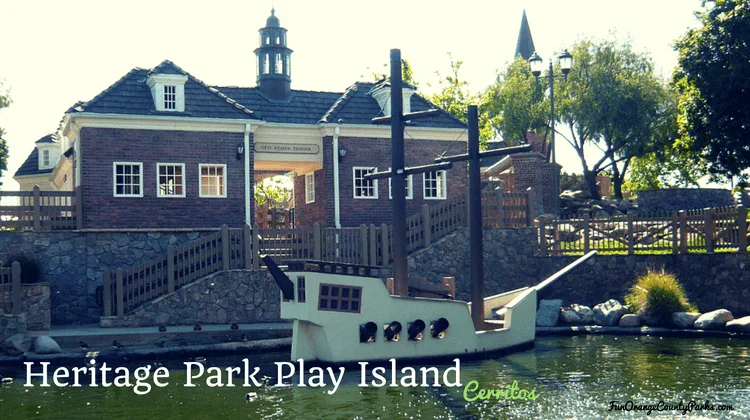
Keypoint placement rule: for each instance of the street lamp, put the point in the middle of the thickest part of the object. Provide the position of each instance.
(537, 65)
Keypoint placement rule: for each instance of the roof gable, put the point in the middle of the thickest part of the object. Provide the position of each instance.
(31, 165)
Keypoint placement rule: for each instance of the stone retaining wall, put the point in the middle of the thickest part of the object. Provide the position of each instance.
(711, 281)
(235, 296)
(72, 262)
(674, 199)
(35, 302)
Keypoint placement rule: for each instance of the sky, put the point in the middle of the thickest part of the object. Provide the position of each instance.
(54, 53)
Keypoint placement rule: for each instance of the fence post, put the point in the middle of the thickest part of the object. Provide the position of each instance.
(683, 232)
(256, 246)
(247, 243)
(586, 233)
(225, 257)
(675, 237)
(15, 291)
(466, 207)
(79, 209)
(384, 235)
(631, 234)
(426, 225)
(37, 209)
(120, 289)
(107, 292)
(373, 245)
(170, 270)
(542, 238)
(708, 230)
(742, 227)
(317, 244)
(500, 218)
(363, 244)
(530, 207)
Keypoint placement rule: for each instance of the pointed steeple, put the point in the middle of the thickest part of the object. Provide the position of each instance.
(525, 44)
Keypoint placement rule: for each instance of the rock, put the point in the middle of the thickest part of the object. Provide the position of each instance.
(44, 344)
(624, 205)
(548, 313)
(17, 344)
(684, 319)
(577, 315)
(739, 325)
(714, 320)
(630, 320)
(609, 312)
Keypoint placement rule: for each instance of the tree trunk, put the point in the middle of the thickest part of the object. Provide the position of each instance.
(590, 178)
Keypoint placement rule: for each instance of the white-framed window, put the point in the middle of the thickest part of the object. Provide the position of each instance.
(45, 158)
(170, 97)
(434, 185)
(364, 188)
(310, 187)
(267, 64)
(279, 67)
(213, 180)
(170, 180)
(409, 187)
(127, 179)
(288, 65)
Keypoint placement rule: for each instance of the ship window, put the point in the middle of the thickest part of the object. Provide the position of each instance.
(301, 295)
(340, 298)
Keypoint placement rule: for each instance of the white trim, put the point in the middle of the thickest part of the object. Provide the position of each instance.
(336, 193)
(442, 185)
(409, 183)
(310, 187)
(161, 122)
(248, 198)
(354, 182)
(200, 179)
(158, 185)
(114, 179)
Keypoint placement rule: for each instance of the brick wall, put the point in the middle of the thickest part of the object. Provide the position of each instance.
(530, 170)
(101, 147)
(314, 212)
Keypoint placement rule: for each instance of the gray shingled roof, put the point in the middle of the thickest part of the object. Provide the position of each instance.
(302, 106)
(31, 165)
(49, 138)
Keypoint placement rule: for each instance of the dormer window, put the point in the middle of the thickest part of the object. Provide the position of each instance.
(382, 94)
(170, 97)
(168, 91)
(45, 158)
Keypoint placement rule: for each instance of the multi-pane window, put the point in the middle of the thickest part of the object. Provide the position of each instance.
(301, 293)
(45, 158)
(128, 179)
(408, 187)
(434, 185)
(170, 180)
(213, 181)
(170, 97)
(279, 65)
(364, 188)
(338, 298)
(310, 188)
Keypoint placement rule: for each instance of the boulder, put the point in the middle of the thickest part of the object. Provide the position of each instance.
(714, 320)
(17, 344)
(609, 312)
(684, 319)
(577, 315)
(44, 344)
(548, 312)
(630, 320)
(739, 325)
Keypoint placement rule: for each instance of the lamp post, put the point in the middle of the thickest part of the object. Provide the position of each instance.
(537, 65)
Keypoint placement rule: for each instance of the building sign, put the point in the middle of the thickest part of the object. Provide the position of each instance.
(305, 149)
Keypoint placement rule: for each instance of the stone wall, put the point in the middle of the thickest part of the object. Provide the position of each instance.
(11, 325)
(235, 296)
(674, 199)
(72, 263)
(711, 280)
(35, 302)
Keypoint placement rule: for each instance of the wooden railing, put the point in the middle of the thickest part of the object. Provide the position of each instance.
(704, 230)
(10, 289)
(40, 210)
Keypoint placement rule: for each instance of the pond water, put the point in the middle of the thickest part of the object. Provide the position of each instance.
(573, 377)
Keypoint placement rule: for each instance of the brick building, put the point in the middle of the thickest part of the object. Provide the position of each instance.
(161, 149)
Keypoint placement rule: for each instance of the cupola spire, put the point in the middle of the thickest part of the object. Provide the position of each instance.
(273, 58)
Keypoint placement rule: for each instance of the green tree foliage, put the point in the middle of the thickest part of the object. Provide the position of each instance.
(407, 73)
(712, 79)
(276, 191)
(516, 104)
(4, 103)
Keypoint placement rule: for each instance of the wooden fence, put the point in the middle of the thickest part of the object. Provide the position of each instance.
(705, 230)
(40, 210)
(10, 289)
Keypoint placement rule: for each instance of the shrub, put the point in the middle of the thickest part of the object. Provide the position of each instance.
(29, 267)
(656, 295)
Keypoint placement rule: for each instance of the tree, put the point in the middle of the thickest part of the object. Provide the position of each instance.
(713, 64)
(407, 73)
(4, 103)
(275, 190)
